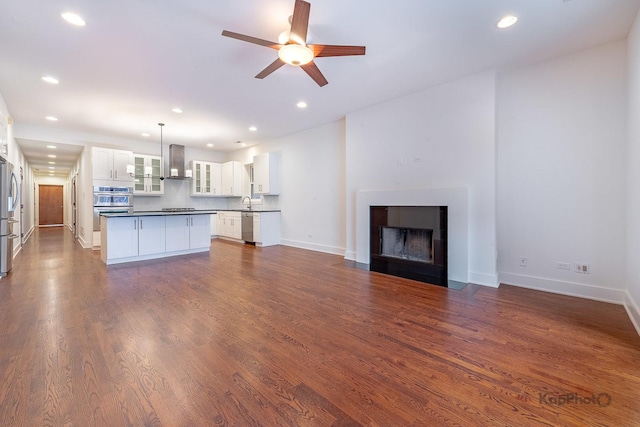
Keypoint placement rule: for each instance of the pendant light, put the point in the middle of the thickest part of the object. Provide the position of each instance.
(161, 156)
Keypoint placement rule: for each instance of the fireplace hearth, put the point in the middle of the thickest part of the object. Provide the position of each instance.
(410, 242)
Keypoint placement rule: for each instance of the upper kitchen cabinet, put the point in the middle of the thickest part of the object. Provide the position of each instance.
(148, 172)
(232, 179)
(266, 174)
(110, 166)
(207, 179)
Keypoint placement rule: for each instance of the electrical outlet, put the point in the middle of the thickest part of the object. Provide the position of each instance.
(523, 262)
(563, 266)
(582, 267)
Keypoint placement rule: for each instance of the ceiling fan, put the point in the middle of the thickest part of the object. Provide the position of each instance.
(296, 51)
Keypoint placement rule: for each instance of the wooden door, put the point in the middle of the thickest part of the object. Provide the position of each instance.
(50, 205)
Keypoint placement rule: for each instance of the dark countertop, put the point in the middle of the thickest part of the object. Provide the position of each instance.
(196, 212)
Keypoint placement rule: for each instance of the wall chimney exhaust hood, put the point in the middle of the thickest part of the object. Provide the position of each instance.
(176, 163)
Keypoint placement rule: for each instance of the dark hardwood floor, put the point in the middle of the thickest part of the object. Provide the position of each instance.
(281, 336)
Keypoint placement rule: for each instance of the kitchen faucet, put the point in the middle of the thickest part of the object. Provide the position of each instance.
(247, 197)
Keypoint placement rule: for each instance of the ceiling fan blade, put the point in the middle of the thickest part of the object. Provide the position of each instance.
(300, 22)
(314, 72)
(270, 69)
(250, 39)
(320, 50)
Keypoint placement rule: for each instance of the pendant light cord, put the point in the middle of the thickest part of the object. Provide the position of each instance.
(161, 155)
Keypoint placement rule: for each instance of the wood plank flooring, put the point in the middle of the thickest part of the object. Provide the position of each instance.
(280, 336)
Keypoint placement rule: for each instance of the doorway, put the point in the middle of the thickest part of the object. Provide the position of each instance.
(50, 210)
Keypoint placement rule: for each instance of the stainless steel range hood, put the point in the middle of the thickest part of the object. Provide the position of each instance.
(176, 163)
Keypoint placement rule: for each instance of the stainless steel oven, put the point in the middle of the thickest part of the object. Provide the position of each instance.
(111, 200)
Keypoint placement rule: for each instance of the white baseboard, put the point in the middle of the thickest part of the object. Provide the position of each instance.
(313, 247)
(350, 255)
(84, 243)
(597, 293)
(29, 233)
(633, 310)
(490, 280)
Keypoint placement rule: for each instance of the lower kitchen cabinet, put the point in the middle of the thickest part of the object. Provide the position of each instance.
(199, 231)
(230, 225)
(120, 238)
(177, 233)
(151, 235)
(266, 226)
(187, 232)
(136, 238)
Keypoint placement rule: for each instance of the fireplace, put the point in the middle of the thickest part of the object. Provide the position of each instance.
(409, 242)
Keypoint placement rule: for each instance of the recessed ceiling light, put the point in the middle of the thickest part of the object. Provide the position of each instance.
(177, 110)
(145, 134)
(52, 167)
(507, 21)
(52, 119)
(253, 128)
(209, 145)
(243, 144)
(51, 174)
(52, 163)
(53, 147)
(73, 18)
(50, 79)
(53, 156)
(301, 104)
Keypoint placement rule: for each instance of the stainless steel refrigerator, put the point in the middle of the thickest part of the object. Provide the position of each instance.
(9, 192)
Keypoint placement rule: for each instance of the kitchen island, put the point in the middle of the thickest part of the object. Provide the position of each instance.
(142, 236)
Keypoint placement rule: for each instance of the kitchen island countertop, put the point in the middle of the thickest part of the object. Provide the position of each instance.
(195, 212)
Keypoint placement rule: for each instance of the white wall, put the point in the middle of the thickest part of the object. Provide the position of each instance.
(312, 196)
(443, 137)
(633, 178)
(561, 173)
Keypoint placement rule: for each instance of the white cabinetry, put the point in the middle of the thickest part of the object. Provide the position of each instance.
(232, 179)
(110, 166)
(230, 225)
(120, 238)
(136, 238)
(147, 184)
(214, 225)
(199, 231)
(266, 174)
(187, 232)
(266, 228)
(151, 235)
(207, 179)
(216, 179)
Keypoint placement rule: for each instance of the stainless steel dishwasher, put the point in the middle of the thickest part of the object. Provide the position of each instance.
(247, 227)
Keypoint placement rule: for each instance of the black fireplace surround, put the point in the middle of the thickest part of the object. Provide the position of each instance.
(409, 242)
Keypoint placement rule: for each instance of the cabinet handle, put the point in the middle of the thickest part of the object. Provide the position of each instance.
(116, 172)
(140, 223)
(187, 221)
(111, 174)
(135, 224)
(192, 221)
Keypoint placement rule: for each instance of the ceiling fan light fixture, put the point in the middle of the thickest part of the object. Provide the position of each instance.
(295, 54)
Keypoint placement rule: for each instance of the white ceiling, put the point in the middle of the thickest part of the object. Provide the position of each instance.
(135, 60)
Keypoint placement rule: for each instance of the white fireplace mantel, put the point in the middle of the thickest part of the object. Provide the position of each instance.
(456, 199)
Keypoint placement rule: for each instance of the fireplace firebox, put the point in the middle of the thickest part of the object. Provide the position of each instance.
(410, 242)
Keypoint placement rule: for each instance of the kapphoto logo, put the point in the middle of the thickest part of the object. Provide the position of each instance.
(603, 399)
